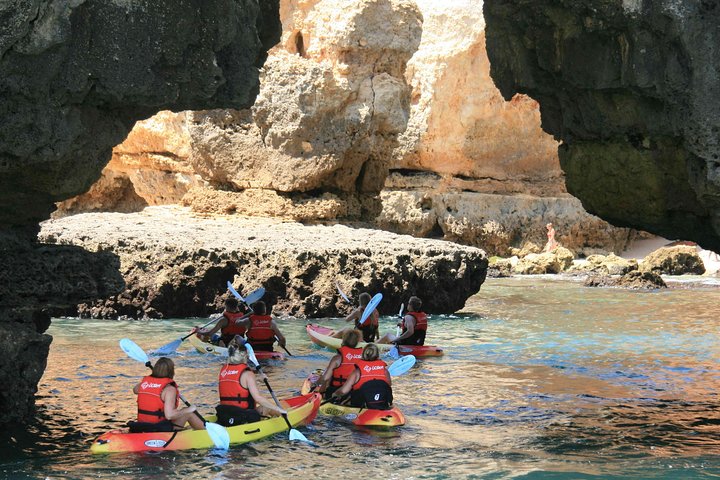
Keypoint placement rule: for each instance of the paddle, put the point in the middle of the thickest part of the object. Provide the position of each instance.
(342, 294)
(396, 369)
(171, 347)
(252, 297)
(370, 307)
(294, 434)
(218, 434)
(283, 346)
(394, 352)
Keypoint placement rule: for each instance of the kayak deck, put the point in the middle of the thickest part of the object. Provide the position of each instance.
(321, 336)
(303, 410)
(204, 347)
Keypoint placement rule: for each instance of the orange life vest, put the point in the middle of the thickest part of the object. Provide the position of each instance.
(231, 329)
(420, 321)
(151, 408)
(231, 391)
(261, 335)
(348, 358)
(369, 371)
(369, 328)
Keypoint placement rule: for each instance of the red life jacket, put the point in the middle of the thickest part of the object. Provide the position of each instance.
(261, 335)
(151, 408)
(420, 321)
(369, 328)
(231, 329)
(231, 391)
(374, 370)
(348, 358)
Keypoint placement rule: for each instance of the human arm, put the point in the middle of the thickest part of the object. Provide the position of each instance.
(278, 334)
(347, 386)
(222, 323)
(327, 375)
(136, 389)
(169, 397)
(251, 384)
(410, 328)
(354, 315)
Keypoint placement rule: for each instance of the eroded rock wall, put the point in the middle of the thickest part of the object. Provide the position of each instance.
(631, 89)
(74, 78)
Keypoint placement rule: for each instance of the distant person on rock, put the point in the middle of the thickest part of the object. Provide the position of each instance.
(234, 321)
(341, 365)
(369, 329)
(263, 331)
(240, 399)
(551, 244)
(158, 399)
(369, 385)
(413, 326)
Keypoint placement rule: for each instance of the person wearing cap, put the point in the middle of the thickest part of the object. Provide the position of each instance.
(240, 399)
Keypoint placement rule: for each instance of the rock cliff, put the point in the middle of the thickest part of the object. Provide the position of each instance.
(631, 89)
(74, 78)
(177, 264)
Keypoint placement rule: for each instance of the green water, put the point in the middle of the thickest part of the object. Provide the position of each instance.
(541, 379)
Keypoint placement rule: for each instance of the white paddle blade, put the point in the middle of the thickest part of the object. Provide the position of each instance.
(219, 435)
(254, 296)
(370, 307)
(297, 435)
(251, 354)
(401, 366)
(168, 349)
(133, 351)
(394, 352)
(402, 307)
(234, 292)
(342, 294)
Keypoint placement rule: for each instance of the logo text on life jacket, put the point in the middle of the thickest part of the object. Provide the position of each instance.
(350, 356)
(228, 372)
(146, 385)
(369, 368)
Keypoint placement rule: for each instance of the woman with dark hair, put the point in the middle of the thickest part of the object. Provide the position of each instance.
(369, 329)
(240, 400)
(369, 385)
(263, 331)
(158, 400)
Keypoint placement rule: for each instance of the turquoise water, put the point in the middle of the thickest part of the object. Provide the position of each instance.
(541, 379)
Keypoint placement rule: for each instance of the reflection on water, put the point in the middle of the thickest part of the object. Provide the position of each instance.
(541, 379)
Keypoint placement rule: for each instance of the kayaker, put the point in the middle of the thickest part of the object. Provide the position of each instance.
(370, 328)
(341, 365)
(240, 399)
(234, 321)
(413, 326)
(263, 330)
(369, 385)
(158, 400)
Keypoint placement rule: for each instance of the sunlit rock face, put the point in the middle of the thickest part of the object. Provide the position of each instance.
(472, 167)
(74, 78)
(631, 89)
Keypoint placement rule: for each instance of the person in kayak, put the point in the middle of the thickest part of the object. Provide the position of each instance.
(234, 321)
(369, 385)
(158, 399)
(370, 328)
(342, 364)
(263, 330)
(240, 400)
(413, 326)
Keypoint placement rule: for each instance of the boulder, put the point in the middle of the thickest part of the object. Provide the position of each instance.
(680, 260)
(607, 265)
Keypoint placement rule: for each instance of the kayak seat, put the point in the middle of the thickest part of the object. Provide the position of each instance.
(148, 427)
(230, 415)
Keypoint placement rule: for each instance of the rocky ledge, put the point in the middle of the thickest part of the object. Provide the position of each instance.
(176, 264)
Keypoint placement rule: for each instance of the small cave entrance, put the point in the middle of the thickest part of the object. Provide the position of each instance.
(297, 44)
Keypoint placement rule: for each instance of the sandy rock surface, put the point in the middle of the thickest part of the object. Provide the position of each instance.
(176, 264)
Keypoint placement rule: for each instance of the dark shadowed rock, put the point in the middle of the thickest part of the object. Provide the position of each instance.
(632, 90)
(635, 280)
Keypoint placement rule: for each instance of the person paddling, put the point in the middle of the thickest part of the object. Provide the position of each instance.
(233, 322)
(341, 365)
(369, 385)
(240, 399)
(413, 326)
(370, 328)
(158, 401)
(263, 330)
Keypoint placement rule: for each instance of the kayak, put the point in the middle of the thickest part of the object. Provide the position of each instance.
(361, 417)
(321, 336)
(204, 347)
(302, 410)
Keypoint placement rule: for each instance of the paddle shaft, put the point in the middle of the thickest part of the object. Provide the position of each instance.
(272, 394)
(283, 347)
(195, 412)
(195, 331)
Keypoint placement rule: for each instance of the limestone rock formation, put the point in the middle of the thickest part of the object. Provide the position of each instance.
(176, 264)
(606, 265)
(634, 280)
(74, 78)
(678, 260)
(631, 89)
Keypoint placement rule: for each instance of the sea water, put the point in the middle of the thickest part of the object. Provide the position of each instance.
(541, 378)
